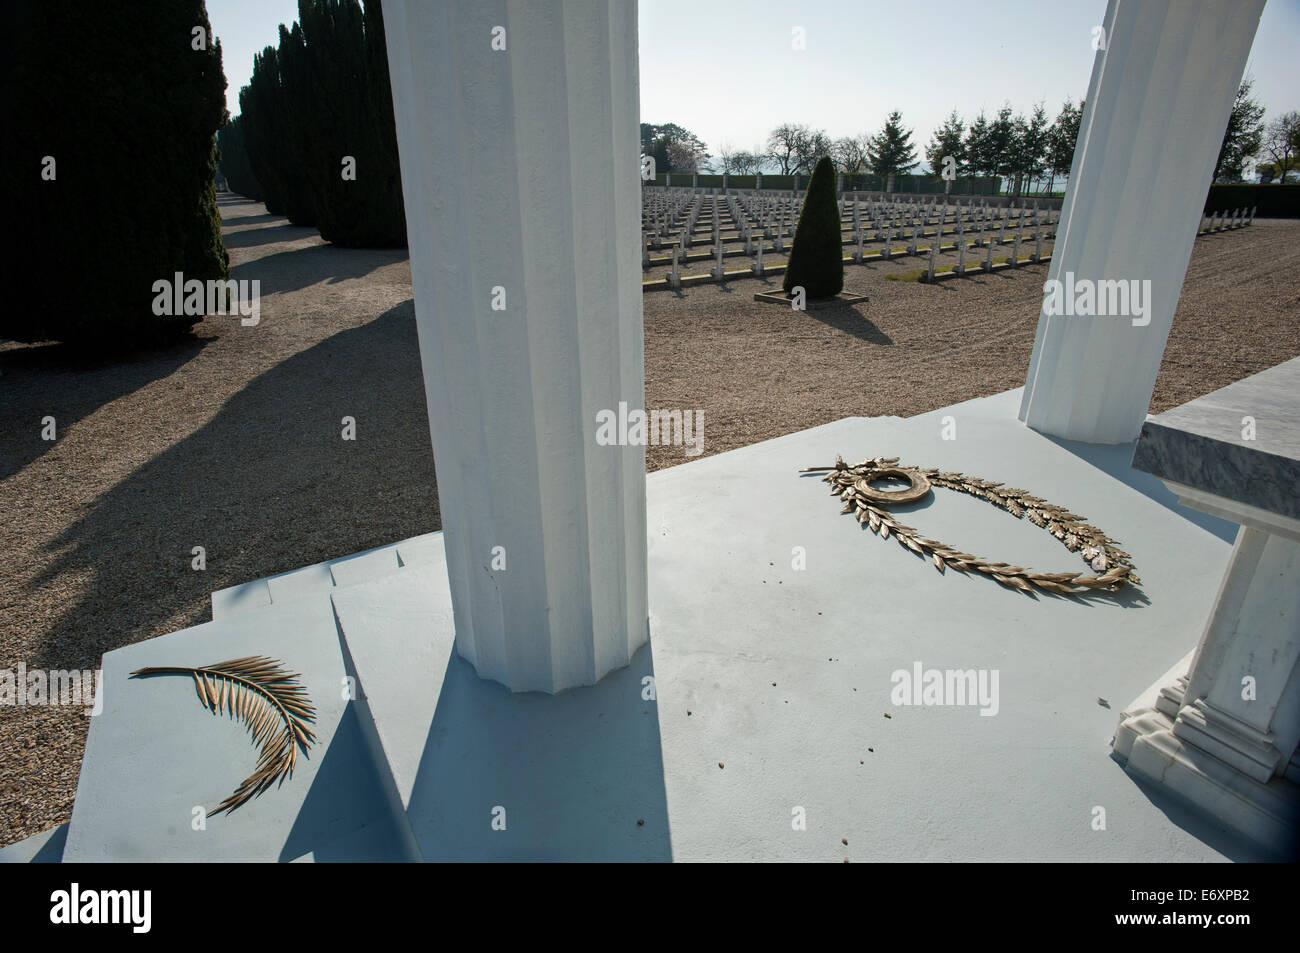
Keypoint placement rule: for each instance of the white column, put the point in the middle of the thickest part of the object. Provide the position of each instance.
(1157, 105)
(1241, 698)
(1224, 735)
(520, 168)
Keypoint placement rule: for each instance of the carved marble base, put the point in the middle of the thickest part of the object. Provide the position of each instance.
(1148, 745)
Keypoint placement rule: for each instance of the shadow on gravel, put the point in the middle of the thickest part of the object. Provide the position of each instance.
(266, 486)
(255, 219)
(299, 268)
(267, 235)
(849, 319)
(58, 381)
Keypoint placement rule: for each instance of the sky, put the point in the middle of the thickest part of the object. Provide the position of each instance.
(726, 70)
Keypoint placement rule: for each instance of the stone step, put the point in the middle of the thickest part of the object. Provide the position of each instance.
(324, 577)
(155, 754)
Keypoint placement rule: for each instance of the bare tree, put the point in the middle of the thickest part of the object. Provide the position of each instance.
(850, 153)
(738, 161)
(796, 148)
(1282, 143)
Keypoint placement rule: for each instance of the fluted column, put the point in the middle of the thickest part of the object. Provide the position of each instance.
(517, 125)
(1157, 105)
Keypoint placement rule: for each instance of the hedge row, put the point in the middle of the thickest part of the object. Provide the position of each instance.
(318, 126)
(1270, 201)
(109, 154)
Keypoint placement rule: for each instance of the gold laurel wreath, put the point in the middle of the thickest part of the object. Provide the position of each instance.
(257, 691)
(1111, 566)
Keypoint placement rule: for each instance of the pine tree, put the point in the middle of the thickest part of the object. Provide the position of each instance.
(1029, 147)
(1243, 136)
(999, 144)
(1061, 139)
(978, 158)
(947, 143)
(126, 105)
(817, 255)
(891, 151)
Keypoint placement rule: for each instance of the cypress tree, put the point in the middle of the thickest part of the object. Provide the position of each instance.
(295, 117)
(335, 77)
(320, 133)
(817, 255)
(234, 161)
(260, 114)
(387, 213)
(110, 151)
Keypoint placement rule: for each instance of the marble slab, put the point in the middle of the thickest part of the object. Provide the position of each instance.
(1207, 444)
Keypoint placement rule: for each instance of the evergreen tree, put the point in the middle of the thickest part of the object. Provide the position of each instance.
(978, 158)
(1000, 142)
(1029, 147)
(344, 138)
(319, 126)
(817, 255)
(891, 151)
(261, 112)
(947, 142)
(1061, 140)
(110, 153)
(297, 116)
(1243, 136)
(674, 149)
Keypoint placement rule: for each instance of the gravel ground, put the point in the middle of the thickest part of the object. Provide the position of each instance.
(231, 440)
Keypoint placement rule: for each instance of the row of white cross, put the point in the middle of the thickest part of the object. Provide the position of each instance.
(669, 218)
(887, 218)
(1239, 218)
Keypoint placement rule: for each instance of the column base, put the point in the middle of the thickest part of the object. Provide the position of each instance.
(1267, 814)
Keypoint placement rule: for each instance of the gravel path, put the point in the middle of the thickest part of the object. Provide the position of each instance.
(231, 441)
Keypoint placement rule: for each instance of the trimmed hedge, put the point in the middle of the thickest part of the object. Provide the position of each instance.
(128, 111)
(817, 255)
(1272, 201)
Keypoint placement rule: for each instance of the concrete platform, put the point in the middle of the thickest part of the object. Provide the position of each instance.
(730, 616)
(692, 753)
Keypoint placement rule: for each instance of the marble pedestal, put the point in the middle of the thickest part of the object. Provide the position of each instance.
(1224, 735)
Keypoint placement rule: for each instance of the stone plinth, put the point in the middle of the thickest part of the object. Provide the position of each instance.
(1224, 734)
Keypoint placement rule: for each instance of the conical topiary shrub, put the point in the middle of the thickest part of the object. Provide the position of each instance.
(817, 256)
